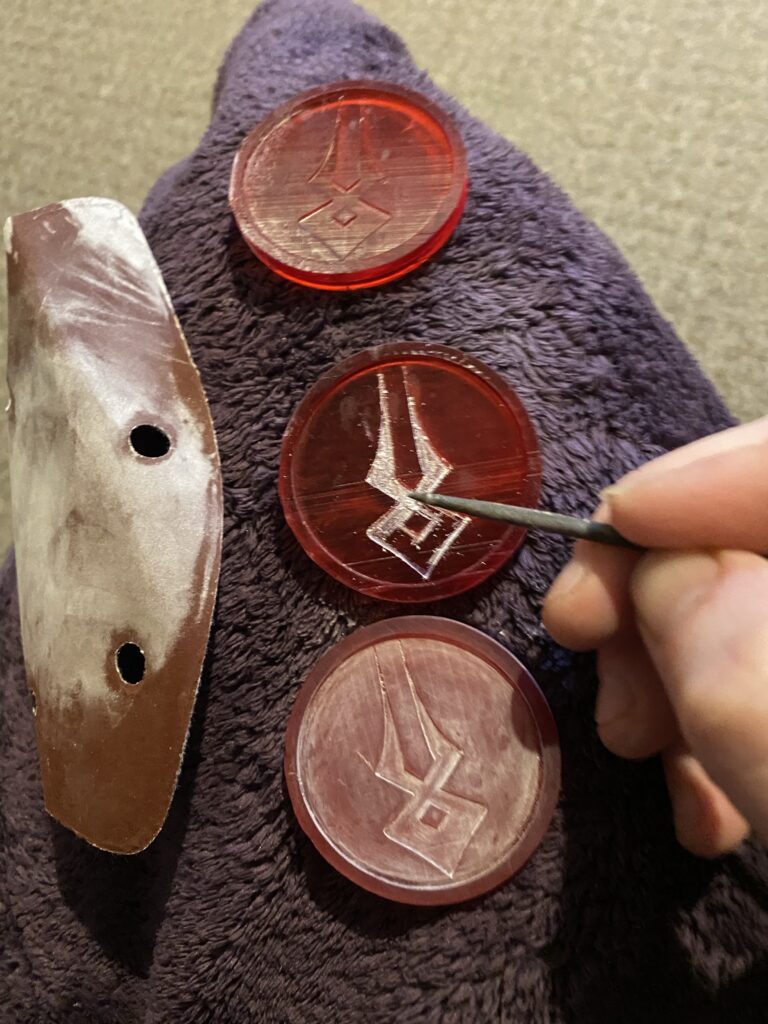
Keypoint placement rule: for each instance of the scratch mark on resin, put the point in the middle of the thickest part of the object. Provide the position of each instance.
(416, 534)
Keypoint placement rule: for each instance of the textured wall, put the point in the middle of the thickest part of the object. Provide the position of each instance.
(653, 116)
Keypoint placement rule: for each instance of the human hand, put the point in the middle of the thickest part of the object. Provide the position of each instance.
(682, 635)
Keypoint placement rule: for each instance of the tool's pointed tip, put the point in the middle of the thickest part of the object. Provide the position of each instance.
(419, 496)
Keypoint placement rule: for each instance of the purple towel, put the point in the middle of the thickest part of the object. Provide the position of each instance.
(231, 916)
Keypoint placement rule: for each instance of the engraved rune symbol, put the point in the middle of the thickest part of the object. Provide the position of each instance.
(346, 218)
(417, 535)
(436, 825)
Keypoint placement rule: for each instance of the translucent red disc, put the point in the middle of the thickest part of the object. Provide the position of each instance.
(422, 760)
(349, 185)
(400, 418)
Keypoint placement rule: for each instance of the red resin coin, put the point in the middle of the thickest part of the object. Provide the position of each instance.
(349, 185)
(422, 760)
(400, 418)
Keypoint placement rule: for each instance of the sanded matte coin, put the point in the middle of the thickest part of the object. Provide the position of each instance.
(422, 760)
(401, 418)
(349, 185)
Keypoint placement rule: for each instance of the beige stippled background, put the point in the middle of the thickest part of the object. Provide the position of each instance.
(652, 115)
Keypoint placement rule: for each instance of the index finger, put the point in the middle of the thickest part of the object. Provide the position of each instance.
(710, 494)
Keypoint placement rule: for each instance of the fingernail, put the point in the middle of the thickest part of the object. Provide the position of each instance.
(608, 492)
(614, 702)
(705, 822)
(568, 580)
(691, 819)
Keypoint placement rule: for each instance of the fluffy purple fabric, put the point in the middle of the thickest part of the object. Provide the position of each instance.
(231, 916)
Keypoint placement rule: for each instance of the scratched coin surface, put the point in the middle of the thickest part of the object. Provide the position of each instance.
(422, 760)
(349, 185)
(401, 418)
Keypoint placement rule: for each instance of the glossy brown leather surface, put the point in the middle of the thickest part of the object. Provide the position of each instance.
(118, 541)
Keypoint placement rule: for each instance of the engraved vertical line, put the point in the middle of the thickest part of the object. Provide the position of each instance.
(391, 531)
(442, 843)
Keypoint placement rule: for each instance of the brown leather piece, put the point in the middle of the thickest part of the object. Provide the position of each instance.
(114, 545)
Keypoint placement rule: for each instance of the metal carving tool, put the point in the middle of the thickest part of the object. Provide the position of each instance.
(533, 518)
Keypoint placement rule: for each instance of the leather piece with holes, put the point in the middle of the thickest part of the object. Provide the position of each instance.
(113, 547)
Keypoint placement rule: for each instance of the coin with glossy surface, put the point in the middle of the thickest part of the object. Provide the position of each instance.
(396, 419)
(349, 185)
(422, 760)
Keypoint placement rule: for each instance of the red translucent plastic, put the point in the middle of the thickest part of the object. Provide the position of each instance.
(395, 419)
(422, 760)
(349, 185)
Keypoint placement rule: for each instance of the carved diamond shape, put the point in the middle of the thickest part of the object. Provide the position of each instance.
(344, 223)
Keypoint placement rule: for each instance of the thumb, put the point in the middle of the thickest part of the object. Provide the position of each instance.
(704, 619)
